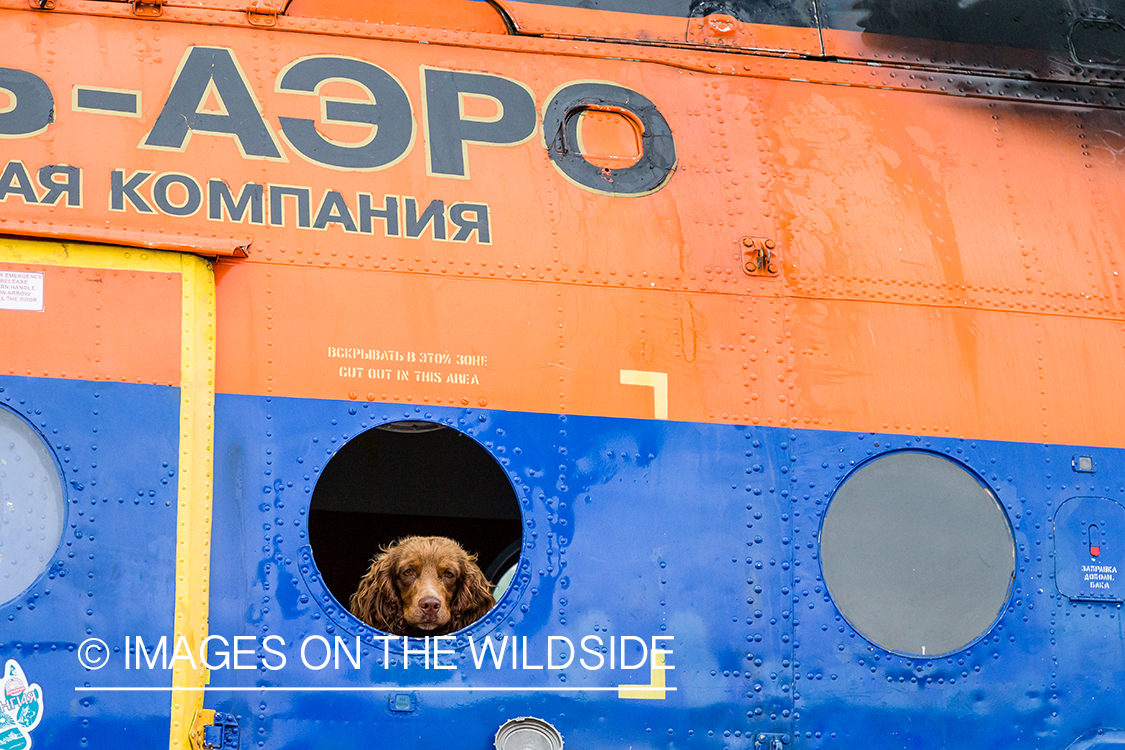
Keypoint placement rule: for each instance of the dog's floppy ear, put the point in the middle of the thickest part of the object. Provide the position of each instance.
(376, 601)
(473, 599)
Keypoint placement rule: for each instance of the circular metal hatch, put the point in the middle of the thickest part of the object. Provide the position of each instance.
(31, 506)
(917, 554)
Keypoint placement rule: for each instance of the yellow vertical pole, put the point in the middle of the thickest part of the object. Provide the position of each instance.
(193, 516)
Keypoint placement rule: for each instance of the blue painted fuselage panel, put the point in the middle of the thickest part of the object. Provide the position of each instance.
(634, 529)
(113, 574)
(642, 529)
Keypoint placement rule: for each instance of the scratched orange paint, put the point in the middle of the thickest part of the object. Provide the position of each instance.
(462, 15)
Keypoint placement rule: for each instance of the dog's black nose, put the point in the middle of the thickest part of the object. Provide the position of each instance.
(430, 605)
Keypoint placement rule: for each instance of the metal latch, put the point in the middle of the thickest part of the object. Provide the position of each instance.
(716, 23)
(757, 256)
(41, 4)
(212, 730)
(148, 8)
(771, 741)
(262, 13)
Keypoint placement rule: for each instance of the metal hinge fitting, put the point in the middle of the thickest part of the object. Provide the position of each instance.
(757, 256)
(212, 730)
(262, 13)
(148, 8)
(771, 741)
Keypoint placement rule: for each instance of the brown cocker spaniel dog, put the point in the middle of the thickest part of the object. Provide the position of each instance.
(422, 585)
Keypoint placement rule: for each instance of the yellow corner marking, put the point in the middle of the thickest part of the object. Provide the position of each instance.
(193, 534)
(656, 690)
(658, 381)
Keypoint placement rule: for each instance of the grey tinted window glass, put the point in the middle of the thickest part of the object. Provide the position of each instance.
(31, 506)
(918, 556)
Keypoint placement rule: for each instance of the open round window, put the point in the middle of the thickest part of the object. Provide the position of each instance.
(412, 478)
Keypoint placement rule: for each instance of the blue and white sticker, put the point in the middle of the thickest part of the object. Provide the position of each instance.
(21, 708)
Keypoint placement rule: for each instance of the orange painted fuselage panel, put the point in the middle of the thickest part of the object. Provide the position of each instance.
(948, 265)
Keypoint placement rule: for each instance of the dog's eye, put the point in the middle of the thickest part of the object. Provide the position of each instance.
(409, 573)
(448, 574)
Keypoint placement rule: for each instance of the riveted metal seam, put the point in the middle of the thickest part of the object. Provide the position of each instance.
(194, 496)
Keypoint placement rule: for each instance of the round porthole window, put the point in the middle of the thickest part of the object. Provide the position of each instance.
(414, 479)
(31, 506)
(917, 554)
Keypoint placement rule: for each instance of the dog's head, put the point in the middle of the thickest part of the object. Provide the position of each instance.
(422, 586)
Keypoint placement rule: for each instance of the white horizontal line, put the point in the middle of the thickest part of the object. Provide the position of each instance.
(396, 689)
